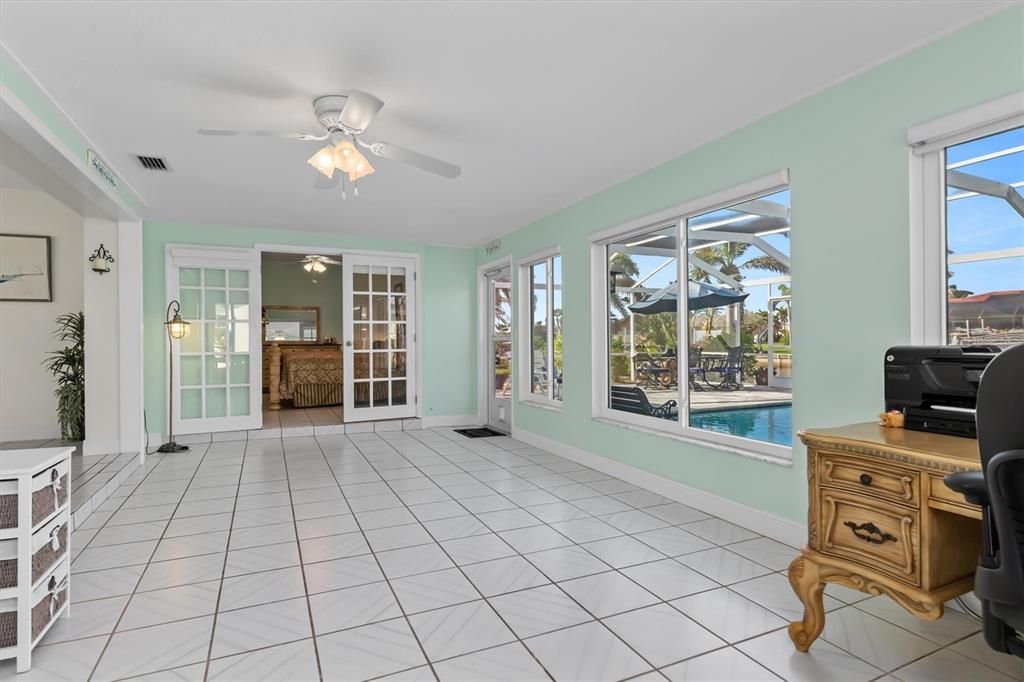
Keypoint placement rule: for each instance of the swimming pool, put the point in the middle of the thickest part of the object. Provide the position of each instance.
(770, 423)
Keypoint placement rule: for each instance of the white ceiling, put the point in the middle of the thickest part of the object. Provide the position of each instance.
(542, 104)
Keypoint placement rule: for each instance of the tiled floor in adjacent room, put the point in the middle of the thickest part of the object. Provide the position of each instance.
(424, 555)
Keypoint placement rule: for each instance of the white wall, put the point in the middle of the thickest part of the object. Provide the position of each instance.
(27, 404)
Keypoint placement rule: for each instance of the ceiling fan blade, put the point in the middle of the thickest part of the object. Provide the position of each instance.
(411, 158)
(324, 182)
(330, 261)
(359, 110)
(258, 133)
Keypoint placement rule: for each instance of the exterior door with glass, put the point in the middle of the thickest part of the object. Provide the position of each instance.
(780, 354)
(499, 402)
(217, 382)
(379, 317)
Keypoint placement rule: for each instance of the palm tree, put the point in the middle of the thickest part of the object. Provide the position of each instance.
(727, 258)
(622, 272)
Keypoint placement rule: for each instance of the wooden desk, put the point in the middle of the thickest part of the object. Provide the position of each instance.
(881, 521)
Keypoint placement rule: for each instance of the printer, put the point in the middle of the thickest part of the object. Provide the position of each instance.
(936, 387)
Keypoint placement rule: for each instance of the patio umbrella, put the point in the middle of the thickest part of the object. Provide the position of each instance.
(700, 295)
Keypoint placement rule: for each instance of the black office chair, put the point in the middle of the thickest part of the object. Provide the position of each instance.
(999, 490)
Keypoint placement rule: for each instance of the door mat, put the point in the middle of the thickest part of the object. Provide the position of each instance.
(482, 432)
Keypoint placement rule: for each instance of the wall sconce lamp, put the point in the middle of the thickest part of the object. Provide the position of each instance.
(101, 260)
(177, 329)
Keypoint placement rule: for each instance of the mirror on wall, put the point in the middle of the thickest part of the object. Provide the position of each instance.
(291, 324)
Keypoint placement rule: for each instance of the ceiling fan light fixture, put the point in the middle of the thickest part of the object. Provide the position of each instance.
(319, 267)
(308, 267)
(323, 161)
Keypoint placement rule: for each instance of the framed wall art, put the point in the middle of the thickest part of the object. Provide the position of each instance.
(25, 273)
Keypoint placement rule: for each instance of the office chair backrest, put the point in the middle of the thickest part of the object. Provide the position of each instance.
(1000, 406)
(1000, 419)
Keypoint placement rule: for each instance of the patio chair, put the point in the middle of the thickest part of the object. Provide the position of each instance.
(633, 399)
(725, 371)
(655, 371)
(696, 368)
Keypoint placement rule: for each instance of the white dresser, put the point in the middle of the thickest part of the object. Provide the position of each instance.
(35, 561)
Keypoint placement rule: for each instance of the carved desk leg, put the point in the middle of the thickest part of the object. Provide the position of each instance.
(805, 577)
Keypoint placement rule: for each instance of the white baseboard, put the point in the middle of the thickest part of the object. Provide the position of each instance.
(770, 525)
(450, 420)
(94, 446)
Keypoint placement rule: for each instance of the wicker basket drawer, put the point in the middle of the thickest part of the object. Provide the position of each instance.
(47, 600)
(49, 493)
(49, 544)
(883, 538)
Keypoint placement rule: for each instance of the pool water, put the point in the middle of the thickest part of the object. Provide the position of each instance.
(771, 423)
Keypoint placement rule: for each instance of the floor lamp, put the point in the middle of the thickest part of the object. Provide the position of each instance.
(177, 329)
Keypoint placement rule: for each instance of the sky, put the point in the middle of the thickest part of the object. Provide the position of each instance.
(982, 223)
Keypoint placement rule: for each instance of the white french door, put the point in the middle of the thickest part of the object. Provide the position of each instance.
(379, 317)
(217, 382)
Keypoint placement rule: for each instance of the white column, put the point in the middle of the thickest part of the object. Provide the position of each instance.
(102, 366)
(129, 240)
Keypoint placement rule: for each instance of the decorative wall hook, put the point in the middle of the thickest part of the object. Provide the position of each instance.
(101, 260)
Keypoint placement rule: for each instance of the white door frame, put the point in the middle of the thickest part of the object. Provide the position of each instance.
(189, 255)
(483, 336)
(337, 251)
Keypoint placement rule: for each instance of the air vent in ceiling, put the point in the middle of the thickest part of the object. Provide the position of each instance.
(153, 163)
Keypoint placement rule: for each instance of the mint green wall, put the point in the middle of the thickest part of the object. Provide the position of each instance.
(289, 284)
(448, 341)
(847, 153)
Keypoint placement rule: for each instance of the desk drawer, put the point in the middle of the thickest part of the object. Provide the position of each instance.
(885, 538)
(870, 477)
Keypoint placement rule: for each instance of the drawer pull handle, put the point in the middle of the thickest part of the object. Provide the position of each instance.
(869, 532)
(865, 479)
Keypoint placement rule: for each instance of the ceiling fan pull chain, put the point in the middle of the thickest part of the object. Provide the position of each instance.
(344, 195)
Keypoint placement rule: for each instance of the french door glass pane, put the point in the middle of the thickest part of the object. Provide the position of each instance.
(502, 369)
(379, 329)
(191, 370)
(215, 353)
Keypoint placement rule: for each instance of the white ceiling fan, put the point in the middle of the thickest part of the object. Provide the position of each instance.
(315, 263)
(344, 119)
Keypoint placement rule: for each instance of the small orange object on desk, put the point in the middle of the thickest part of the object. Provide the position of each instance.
(881, 520)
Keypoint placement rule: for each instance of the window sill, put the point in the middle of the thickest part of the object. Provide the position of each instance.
(779, 455)
(542, 404)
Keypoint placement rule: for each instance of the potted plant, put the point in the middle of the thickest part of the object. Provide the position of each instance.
(68, 368)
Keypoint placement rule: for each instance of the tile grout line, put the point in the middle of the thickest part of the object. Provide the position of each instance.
(380, 567)
(302, 565)
(113, 631)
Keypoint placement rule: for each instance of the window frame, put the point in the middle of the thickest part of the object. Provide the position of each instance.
(524, 328)
(928, 250)
(678, 430)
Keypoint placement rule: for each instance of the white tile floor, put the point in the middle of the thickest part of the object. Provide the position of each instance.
(423, 555)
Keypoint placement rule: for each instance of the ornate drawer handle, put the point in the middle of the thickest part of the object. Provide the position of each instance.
(869, 532)
(865, 479)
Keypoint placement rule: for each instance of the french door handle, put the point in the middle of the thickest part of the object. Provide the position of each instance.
(348, 343)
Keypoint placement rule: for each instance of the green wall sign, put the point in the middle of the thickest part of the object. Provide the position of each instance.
(96, 163)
